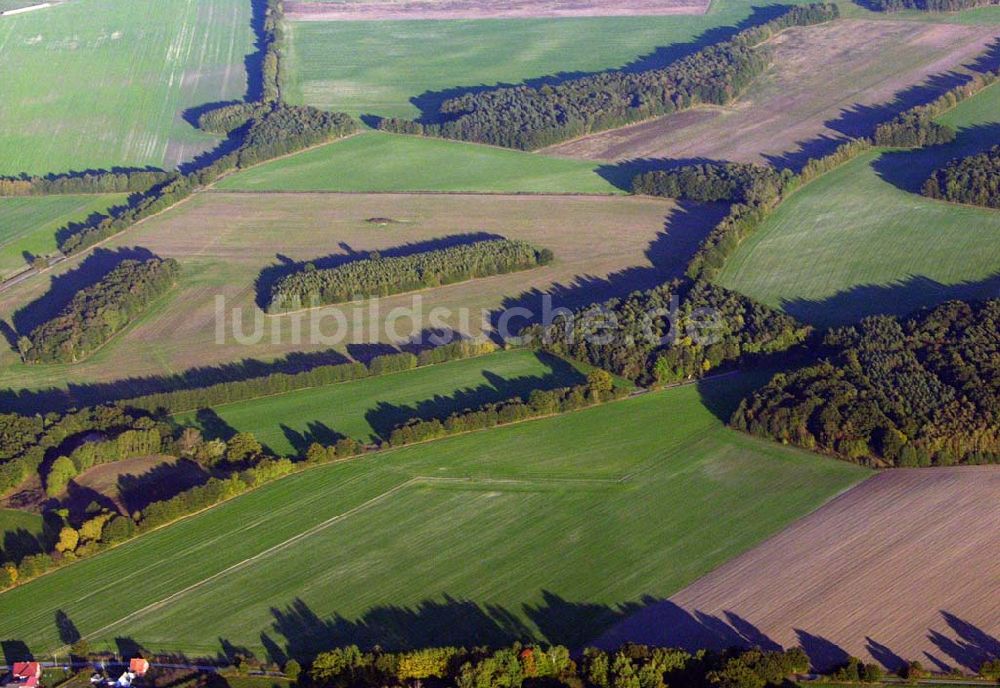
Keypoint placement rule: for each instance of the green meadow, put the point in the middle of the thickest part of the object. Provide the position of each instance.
(103, 83)
(479, 538)
(377, 161)
(861, 240)
(29, 224)
(370, 408)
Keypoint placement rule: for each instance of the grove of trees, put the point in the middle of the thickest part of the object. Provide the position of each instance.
(927, 5)
(528, 117)
(378, 276)
(913, 392)
(974, 180)
(98, 312)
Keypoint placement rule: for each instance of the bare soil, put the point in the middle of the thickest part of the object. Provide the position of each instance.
(484, 9)
(819, 90)
(902, 567)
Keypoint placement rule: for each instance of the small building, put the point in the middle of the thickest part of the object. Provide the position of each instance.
(138, 666)
(25, 675)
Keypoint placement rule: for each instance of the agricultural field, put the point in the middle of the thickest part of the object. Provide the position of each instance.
(239, 235)
(490, 535)
(14, 520)
(898, 550)
(828, 259)
(381, 162)
(797, 111)
(104, 83)
(392, 68)
(369, 409)
(28, 225)
(359, 10)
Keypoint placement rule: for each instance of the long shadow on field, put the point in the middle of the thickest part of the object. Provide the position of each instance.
(429, 103)
(908, 170)
(158, 484)
(971, 646)
(883, 655)
(271, 275)
(385, 416)
(901, 298)
(316, 431)
(65, 286)
(15, 651)
(300, 633)
(669, 253)
(57, 399)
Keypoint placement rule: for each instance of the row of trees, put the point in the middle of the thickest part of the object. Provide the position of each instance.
(280, 383)
(527, 117)
(101, 181)
(630, 666)
(911, 392)
(927, 5)
(599, 388)
(974, 180)
(378, 276)
(98, 312)
(144, 441)
(737, 182)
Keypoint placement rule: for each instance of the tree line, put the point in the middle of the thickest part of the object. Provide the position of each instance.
(378, 276)
(927, 5)
(918, 391)
(97, 182)
(527, 117)
(98, 312)
(599, 388)
(974, 180)
(516, 665)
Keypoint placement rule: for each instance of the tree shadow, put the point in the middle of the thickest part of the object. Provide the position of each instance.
(909, 169)
(15, 651)
(669, 254)
(316, 431)
(971, 645)
(899, 298)
(429, 102)
(823, 653)
(64, 287)
(137, 491)
(883, 655)
(286, 266)
(385, 417)
(446, 621)
(74, 396)
(212, 425)
(67, 630)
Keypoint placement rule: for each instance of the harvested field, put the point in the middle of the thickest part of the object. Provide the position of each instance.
(901, 567)
(815, 94)
(131, 485)
(487, 9)
(602, 246)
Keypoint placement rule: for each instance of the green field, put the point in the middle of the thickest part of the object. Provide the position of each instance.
(100, 83)
(378, 67)
(860, 240)
(29, 224)
(376, 161)
(366, 409)
(481, 537)
(13, 520)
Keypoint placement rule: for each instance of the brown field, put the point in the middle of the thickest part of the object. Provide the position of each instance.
(819, 75)
(902, 567)
(602, 245)
(487, 9)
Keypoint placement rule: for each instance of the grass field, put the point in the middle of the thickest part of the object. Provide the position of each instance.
(29, 224)
(482, 537)
(860, 240)
(100, 83)
(379, 67)
(224, 240)
(377, 161)
(367, 410)
(12, 520)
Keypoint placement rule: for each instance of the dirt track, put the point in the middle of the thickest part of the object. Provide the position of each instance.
(819, 78)
(904, 566)
(485, 9)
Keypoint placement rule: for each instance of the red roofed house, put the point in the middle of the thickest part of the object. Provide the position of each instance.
(138, 666)
(26, 675)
